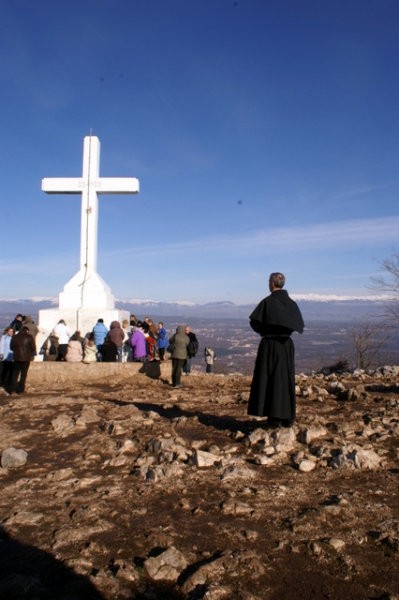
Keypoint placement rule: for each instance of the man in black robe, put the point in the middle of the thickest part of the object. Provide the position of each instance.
(273, 384)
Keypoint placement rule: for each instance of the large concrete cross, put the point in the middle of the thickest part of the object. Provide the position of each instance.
(89, 186)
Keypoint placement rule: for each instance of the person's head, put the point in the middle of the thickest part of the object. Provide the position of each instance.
(19, 317)
(8, 331)
(187, 329)
(276, 281)
(160, 325)
(61, 321)
(100, 320)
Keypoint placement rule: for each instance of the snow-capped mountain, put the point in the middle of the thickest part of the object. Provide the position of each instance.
(314, 308)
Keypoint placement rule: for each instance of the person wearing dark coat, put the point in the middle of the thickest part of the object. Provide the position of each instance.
(179, 343)
(117, 335)
(24, 349)
(109, 350)
(50, 347)
(16, 323)
(191, 351)
(29, 323)
(273, 384)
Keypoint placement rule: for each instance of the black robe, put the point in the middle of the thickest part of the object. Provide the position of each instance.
(273, 383)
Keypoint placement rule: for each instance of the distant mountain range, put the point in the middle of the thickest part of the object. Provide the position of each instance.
(314, 308)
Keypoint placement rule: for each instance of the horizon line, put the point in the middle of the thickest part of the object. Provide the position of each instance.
(311, 297)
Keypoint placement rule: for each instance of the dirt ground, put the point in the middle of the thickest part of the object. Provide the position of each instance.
(112, 479)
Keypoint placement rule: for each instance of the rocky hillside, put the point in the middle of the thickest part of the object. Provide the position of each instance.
(116, 486)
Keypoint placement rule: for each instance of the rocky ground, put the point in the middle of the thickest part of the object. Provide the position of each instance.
(116, 486)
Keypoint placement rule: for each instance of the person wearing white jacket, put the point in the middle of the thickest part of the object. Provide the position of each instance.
(62, 333)
(6, 356)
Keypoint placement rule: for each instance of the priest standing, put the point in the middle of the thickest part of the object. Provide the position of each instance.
(273, 385)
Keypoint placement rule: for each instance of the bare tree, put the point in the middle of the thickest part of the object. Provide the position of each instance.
(389, 282)
(368, 339)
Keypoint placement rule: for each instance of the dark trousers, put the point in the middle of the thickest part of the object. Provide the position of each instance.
(62, 350)
(177, 367)
(5, 372)
(18, 376)
(100, 353)
(187, 366)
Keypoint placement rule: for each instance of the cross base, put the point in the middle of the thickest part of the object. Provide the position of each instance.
(86, 290)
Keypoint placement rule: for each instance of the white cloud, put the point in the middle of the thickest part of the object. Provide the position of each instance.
(354, 192)
(320, 236)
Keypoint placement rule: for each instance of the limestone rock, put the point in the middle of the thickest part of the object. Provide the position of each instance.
(284, 439)
(63, 424)
(205, 459)
(259, 435)
(166, 566)
(235, 472)
(209, 572)
(367, 459)
(307, 435)
(12, 458)
(337, 544)
(217, 592)
(235, 507)
(306, 465)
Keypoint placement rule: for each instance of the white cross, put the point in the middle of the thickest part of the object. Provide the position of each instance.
(89, 186)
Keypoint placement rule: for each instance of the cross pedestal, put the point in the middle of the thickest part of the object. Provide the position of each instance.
(86, 297)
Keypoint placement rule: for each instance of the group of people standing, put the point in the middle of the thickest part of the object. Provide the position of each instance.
(17, 350)
(134, 341)
(275, 318)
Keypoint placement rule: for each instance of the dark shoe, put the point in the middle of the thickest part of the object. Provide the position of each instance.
(271, 422)
(287, 422)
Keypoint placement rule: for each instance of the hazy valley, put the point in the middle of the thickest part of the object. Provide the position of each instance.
(225, 327)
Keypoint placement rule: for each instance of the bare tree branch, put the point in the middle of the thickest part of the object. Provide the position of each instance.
(368, 339)
(389, 282)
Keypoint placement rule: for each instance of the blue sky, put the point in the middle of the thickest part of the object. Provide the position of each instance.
(264, 134)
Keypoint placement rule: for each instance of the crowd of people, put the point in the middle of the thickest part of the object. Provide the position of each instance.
(17, 350)
(132, 341)
(275, 318)
(129, 341)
